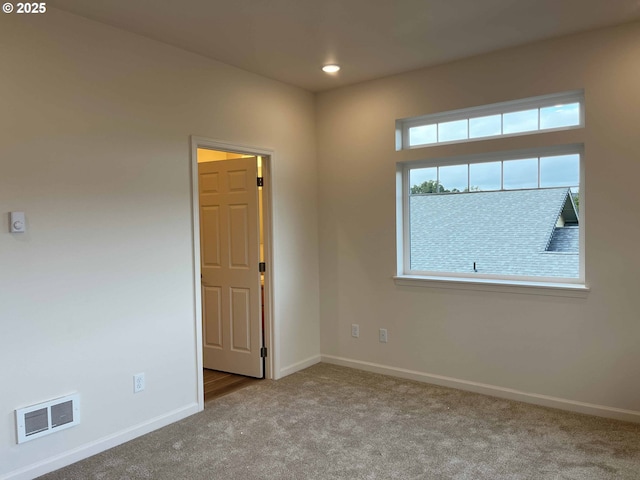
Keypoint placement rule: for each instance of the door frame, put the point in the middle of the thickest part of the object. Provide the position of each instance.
(269, 327)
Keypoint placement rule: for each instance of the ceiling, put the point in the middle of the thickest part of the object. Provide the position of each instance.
(289, 40)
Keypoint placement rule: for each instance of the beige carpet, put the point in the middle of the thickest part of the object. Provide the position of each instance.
(330, 422)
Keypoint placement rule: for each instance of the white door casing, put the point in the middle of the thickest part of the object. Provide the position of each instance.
(229, 257)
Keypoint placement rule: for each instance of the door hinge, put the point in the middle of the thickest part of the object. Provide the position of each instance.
(260, 181)
(262, 267)
(263, 352)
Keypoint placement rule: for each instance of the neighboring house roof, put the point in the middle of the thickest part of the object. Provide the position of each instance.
(505, 233)
(565, 239)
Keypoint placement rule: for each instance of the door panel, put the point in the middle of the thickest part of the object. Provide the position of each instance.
(230, 243)
(210, 223)
(213, 325)
(209, 182)
(239, 236)
(238, 180)
(240, 319)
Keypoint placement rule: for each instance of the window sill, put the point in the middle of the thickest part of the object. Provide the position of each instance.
(575, 290)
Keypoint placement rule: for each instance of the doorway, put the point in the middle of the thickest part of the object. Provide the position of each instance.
(232, 256)
(218, 384)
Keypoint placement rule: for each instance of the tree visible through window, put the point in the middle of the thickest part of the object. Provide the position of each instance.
(512, 217)
(508, 216)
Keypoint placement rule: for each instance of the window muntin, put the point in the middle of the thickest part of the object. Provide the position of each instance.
(527, 116)
(443, 221)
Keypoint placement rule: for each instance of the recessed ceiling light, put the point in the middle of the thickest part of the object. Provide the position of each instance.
(331, 68)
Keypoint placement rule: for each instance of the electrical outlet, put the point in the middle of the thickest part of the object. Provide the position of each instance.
(355, 330)
(383, 335)
(138, 382)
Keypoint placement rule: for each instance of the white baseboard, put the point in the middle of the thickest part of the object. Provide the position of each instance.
(92, 448)
(296, 367)
(492, 390)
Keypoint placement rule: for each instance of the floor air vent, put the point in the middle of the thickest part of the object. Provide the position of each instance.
(47, 417)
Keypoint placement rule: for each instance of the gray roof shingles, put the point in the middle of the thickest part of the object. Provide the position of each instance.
(504, 233)
(565, 239)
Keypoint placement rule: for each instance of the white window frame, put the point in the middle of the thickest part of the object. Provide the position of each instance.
(521, 284)
(404, 125)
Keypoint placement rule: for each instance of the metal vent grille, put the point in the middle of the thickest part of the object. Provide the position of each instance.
(36, 421)
(47, 417)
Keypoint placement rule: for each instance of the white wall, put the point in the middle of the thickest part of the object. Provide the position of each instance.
(576, 353)
(94, 147)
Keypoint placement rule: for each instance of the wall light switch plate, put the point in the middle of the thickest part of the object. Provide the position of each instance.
(17, 222)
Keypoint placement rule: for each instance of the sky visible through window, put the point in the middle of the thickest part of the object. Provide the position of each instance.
(537, 172)
(530, 120)
(506, 215)
(494, 214)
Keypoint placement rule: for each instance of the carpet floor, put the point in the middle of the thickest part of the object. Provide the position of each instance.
(330, 422)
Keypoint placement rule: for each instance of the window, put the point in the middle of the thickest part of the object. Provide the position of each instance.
(520, 117)
(510, 217)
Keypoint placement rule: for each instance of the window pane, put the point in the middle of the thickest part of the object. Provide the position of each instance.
(560, 116)
(524, 121)
(423, 134)
(454, 178)
(485, 176)
(520, 173)
(485, 126)
(525, 230)
(423, 180)
(449, 131)
(560, 171)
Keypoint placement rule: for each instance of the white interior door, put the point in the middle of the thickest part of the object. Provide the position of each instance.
(230, 253)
